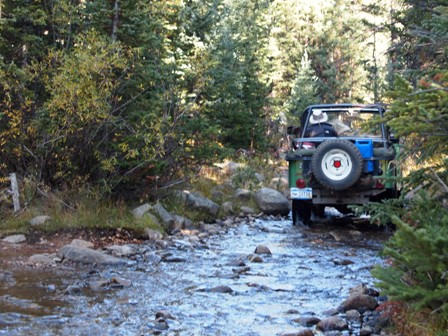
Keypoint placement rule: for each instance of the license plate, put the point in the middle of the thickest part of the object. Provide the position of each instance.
(302, 193)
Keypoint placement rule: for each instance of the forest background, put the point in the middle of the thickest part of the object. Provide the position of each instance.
(125, 97)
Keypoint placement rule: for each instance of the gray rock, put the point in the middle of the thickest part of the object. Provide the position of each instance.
(15, 239)
(272, 202)
(88, 256)
(166, 217)
(140, 211)
(153, 234)
(352, 315)
(42, 259)
(247, 210)
(332, 323)
(81, 243)
(227, 208)
(243, 194)
(221, 289)
(39, 220)
(365, 331)
(198, 202)
(121, 250)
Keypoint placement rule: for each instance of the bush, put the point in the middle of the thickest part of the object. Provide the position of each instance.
(418, 254)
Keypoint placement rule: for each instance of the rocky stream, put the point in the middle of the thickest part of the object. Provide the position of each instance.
(254, 275)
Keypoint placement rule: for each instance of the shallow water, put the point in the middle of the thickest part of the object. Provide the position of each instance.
(301, 277)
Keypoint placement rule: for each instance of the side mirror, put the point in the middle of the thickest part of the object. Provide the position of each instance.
(293, 130)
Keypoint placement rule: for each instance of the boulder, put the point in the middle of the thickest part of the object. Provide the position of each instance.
(15, 239)
(39, 220)
(196, 201)
(140, 211)
(272, 202)
(166, 217)
(88, 256)
(332, 323)
(359, 302)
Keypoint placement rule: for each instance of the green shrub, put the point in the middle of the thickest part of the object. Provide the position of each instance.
(418, 253)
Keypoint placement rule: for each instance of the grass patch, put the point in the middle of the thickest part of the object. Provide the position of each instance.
(87, 213)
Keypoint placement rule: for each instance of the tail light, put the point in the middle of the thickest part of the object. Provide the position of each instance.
(308, 145)
(300, 183)
(305, 145)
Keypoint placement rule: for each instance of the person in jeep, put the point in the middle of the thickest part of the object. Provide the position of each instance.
(319, 127)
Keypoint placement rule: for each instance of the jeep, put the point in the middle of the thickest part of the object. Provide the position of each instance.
(340, 155)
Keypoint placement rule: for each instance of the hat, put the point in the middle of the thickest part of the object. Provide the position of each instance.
(318, 117)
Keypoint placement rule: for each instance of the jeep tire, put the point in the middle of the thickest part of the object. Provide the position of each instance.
(337, 164)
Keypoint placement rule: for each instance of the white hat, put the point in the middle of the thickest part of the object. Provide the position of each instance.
(318, 117)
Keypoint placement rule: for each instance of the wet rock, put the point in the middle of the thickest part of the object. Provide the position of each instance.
(218, 289)
(6, 279)
(342, 262)
(241, 270)
(331, 312)
(272, 202)
(332, 323)
(237, 262)
(165, 315)
(152, 257)
(140, 211)
(99, 285)
(174, 259)
(365, 331)
(336, 235)
(353, 315)
(114, 282)
(121, 250)
(153, 234)
(15, 239)
(292, 311)
(74, 289)
(262, 249)
(161, 324)
(88, 256)
(255, 259)
(307, 321)
(121, 282)
(42, 260)
(359, 302)
(39, 220)
(306, 332)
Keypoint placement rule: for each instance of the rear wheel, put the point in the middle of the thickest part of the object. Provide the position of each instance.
(301, 212)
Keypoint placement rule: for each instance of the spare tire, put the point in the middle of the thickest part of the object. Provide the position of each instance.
(337, 164)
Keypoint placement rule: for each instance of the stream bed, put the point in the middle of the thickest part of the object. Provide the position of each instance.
(213, 286)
